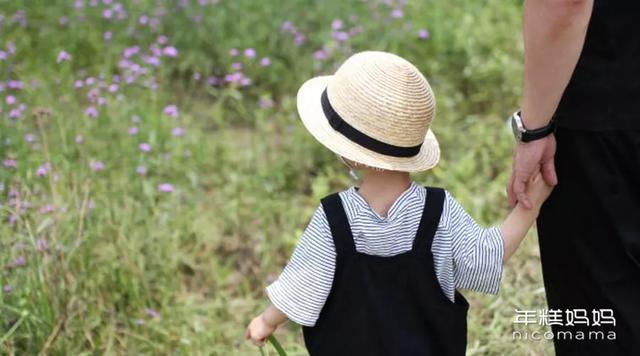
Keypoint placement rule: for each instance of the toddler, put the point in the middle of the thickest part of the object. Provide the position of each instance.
(377, 268)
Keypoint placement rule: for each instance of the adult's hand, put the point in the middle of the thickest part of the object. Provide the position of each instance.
(528, 159)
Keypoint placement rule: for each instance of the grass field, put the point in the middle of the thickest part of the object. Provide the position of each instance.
(155, 176)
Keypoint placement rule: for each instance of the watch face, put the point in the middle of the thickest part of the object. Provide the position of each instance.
(516, 126)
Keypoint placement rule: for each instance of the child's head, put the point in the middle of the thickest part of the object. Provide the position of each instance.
(375, 111)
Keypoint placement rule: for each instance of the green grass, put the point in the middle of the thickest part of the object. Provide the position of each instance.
(105, 250)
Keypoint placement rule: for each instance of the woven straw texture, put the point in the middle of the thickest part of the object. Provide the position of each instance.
(381, 95)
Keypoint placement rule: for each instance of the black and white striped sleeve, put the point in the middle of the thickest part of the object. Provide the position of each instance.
(304, 285)
(477, 252)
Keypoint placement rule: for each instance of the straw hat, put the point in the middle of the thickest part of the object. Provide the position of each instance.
(376, 110)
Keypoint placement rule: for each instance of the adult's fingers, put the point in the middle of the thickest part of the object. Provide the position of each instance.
(510, 194)
(519, 189)
(549, 172)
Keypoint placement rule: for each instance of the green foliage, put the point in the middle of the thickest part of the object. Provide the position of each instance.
(114, 265)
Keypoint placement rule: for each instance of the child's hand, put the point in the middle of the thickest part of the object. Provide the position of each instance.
(259, 330)
(538, 191)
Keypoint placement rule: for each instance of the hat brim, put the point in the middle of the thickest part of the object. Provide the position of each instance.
(313, 118)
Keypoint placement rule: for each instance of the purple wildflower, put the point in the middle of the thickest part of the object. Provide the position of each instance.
(233, 52)
(21, 18)
(79, 139)
(145, 147)
(155, 50)
(165, 188)
(170, 51)
(91, 112)
(232, 77)
(97, 166)
(177, 131)
(10, 163)
(299, 39)
(130, 51)
(250, 53)
(141, 170)
(47, 208)
(171, 111)
(7, 288)
(30, 137)
(43, 170)
(152, 313)
(287, 26)
(63, 56)
(93, 94)
(107, 36)
(14, 84)
(213, 80)
(10, 99)
(154, 61)
(340, 36)
(20, 261)
(320, 55)
(245, 82)
(79, 84)
(336, 24)
(397, 13)
(133, 130)
(41, 245)
(265, 61)
(15, 114)
(236, 66)
(424, 34)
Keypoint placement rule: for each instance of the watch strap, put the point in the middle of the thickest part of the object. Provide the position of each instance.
(536, 134)
(527, 135)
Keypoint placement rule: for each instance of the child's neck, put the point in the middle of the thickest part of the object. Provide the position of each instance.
(381, 188)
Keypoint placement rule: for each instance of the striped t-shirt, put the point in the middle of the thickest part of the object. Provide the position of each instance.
(465, 254)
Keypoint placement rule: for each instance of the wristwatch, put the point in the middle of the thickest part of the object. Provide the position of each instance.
(522, 134)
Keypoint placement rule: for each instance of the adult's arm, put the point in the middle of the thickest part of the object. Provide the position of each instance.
(554, 34)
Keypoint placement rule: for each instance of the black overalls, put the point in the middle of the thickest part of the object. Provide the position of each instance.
(387, 305)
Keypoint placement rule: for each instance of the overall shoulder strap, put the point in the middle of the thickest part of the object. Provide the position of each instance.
(338, 222)
(429, 220)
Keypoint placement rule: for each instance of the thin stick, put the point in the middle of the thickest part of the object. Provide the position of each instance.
(53, 336)
(277, 346)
